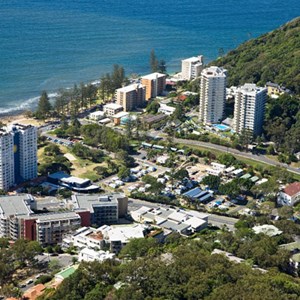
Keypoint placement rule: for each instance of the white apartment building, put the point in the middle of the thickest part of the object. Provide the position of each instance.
(131, 96)
(18, 155)
(7, 176)
(25, 152)
(191, 67)
(111, 109)
(249, 108)
(212, 95)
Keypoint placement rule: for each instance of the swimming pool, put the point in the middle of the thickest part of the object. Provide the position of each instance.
(221, 127)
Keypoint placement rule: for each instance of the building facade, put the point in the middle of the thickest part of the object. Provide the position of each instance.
(249, 109)
(102, 209)
(131, 96)
(289, 195)
(155, 84)
(212, 95)
(111, 109)
(7, 176)
(18, 155)
(191, 67)
(18, 221)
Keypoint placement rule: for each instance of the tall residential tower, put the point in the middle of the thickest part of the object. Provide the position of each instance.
(212, 95)
(249, 108)
(18, 155)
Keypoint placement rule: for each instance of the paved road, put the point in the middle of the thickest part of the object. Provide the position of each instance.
(220, 221)
(259, 158)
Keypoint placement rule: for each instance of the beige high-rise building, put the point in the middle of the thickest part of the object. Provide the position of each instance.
(131, 96)
(191, 67)
(249, 108)
(155, 84)
(212, 95)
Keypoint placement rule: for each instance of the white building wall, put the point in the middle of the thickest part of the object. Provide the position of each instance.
(6, 161)
(28, 153)
(212, 95)
(249, 108)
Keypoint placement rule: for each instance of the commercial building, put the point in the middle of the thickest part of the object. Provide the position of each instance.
(289, 195)
(18, 155)
(114, 237)
(100, 209)
(191, 67)
(249, 109)
(165, 109)
(73, 183)
(212, 95)
(18, 220)
(97, 115)
(155, 84)
(131, 97)
(176, 220)
(111, 109)
(89, 255)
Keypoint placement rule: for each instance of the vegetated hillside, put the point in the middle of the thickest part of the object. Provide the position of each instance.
(274, 56)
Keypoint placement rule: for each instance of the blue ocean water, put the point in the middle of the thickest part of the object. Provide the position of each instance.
(45, 45)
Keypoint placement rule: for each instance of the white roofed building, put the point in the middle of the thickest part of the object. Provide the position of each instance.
(111, 109)
(191, 67)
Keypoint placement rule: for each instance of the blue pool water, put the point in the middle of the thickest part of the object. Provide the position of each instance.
(45, 45)
(221, 127)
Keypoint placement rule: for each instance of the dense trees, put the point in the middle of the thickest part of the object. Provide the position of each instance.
(282, 124)
(182, 269)
(20, 255)
(110, 139)
(112, 81)
(271, 57)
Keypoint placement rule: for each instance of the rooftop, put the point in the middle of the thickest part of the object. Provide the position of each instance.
(112, 106)
(121, 114)
(154, 76)
(55, 216)
(153, 118)
(269, 230)
(194, 59)
(16, 205)
(214, 72)
(130, 87)
(90, 201)
(292, 189)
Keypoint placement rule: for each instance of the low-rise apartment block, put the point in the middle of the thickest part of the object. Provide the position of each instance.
(191, 67)
(114, 237)
(18, 220)
(111, 109)
(100, 209)
(155, 84)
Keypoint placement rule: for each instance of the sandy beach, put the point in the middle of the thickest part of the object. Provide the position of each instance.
(20, 118)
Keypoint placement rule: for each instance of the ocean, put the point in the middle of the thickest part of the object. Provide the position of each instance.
(46, 45)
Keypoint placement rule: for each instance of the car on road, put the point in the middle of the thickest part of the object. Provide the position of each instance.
(29, 281)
